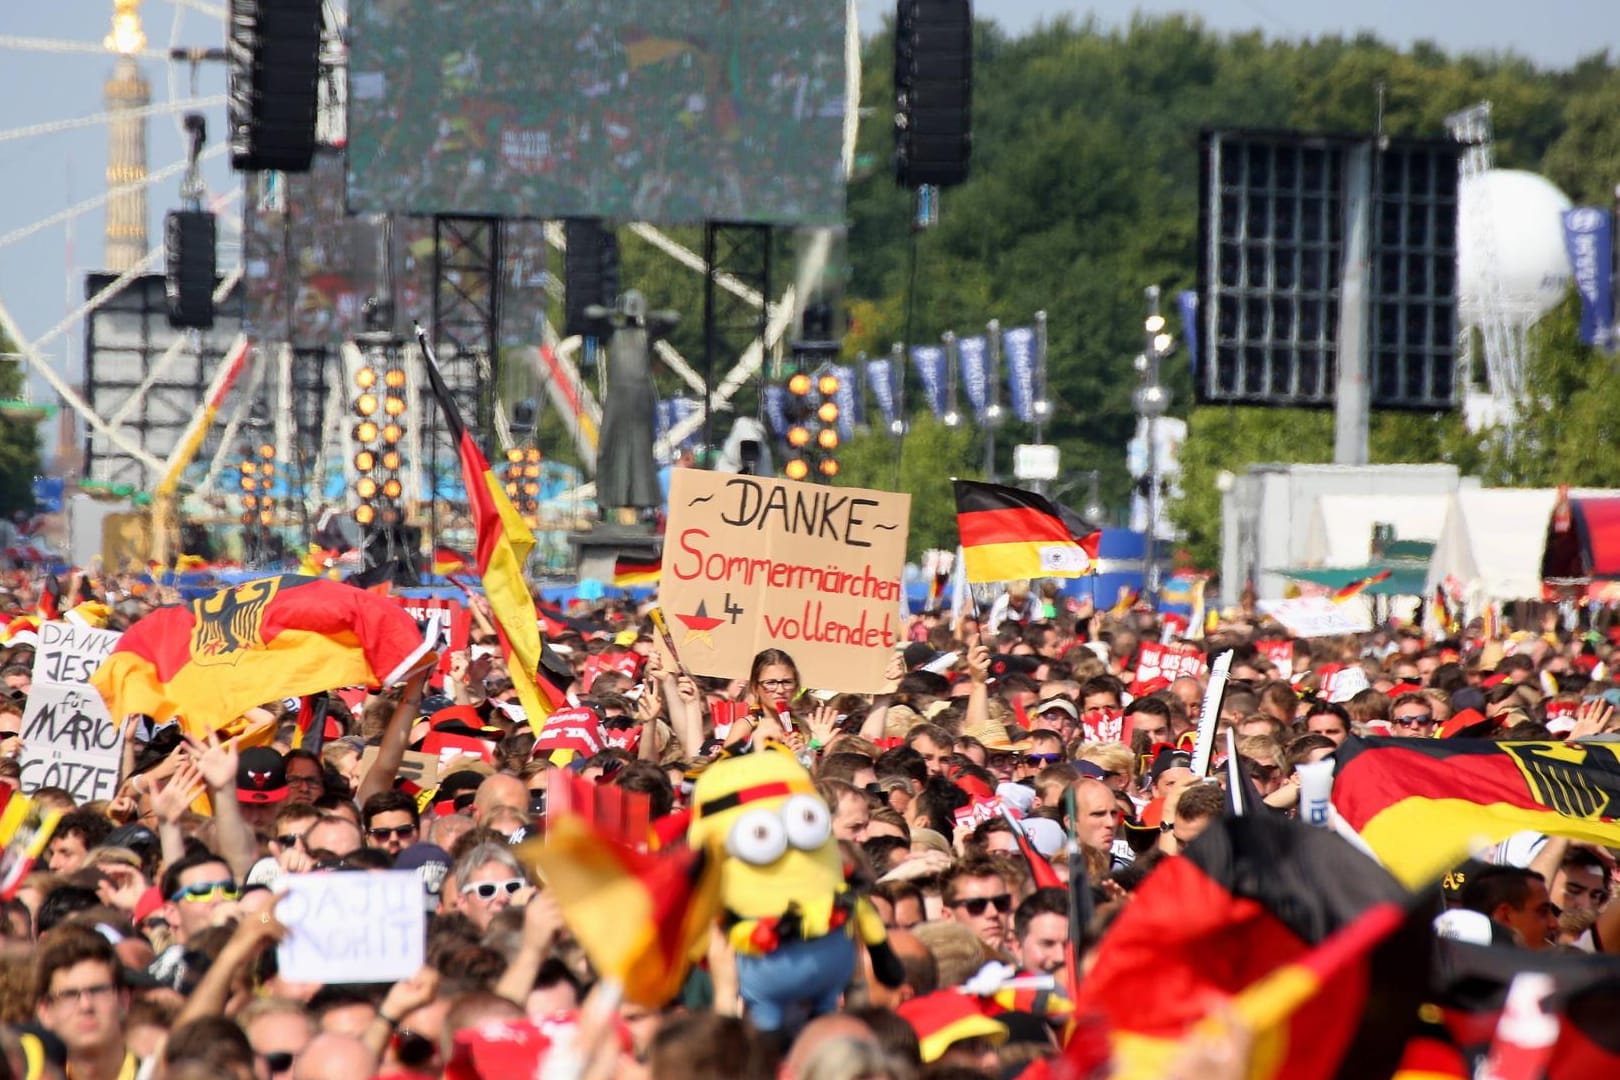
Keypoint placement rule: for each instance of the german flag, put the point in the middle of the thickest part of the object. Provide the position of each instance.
(1440, 610)
(503, 546)
(1008, 534)
(1360, 585)
(640, 918)
(1304, 934)
(1421, 804)
(629, 572)
(209, 661)
(447, 561)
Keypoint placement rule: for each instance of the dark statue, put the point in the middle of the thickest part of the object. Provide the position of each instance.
(626, 472)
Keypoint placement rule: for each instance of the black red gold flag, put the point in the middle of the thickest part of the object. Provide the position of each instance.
(1008, 534)
(1421, 804)
(211, 660)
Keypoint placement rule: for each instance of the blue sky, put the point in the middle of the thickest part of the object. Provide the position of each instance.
(41, 276)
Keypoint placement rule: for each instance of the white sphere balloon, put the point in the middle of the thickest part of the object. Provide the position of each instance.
(1510, 246)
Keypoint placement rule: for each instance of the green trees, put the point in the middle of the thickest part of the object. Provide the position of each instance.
(19, 440)
(922, 465)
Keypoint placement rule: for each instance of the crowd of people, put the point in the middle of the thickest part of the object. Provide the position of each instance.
(143, 942)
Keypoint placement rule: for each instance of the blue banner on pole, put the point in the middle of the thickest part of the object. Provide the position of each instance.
(973, 359)
(929, 360)
(1018, 345)
(1589, 238)
(1188, 302)
(880, 374)
(845, 399)
(684, 409)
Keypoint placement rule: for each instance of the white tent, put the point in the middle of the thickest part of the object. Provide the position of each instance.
(1341, 525)
(1492, 540)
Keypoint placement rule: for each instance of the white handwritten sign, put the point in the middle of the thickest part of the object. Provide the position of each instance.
(1318, 616)
(69, 740)
(352, 927)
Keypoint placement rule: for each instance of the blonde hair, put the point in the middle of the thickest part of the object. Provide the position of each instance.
(1110, 756)
(845, 1058)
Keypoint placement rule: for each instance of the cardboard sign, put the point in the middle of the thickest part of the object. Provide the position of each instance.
(571, 729)
(1169, 662)
(752, 563)
(446, 748)
(352, 928)
(418, 768)
(1107, 725)
(1318, 616)
(979, 811)
(69, 739)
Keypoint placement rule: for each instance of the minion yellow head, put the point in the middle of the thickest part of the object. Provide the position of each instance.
(763, 812)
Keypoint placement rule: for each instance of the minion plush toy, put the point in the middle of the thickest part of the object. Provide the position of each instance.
(788, 910)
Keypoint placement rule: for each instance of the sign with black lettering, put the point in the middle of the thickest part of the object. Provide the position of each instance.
(352, 928)
(752, 563)
(69, 740)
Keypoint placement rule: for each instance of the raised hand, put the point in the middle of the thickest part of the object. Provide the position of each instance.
(215, 760)
(179, 791)
(823, 722)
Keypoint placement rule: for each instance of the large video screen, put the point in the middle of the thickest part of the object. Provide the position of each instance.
(664, 111)
(309, 266)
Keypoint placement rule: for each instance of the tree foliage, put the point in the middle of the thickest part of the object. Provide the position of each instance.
(19, 442)
(922, 466)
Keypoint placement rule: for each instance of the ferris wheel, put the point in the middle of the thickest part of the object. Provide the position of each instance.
(86, 193)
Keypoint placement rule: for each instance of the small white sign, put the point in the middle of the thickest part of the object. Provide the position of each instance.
(1318, 616)
(1035, 461)
(349, 926)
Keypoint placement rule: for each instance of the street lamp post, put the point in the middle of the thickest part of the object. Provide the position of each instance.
(1152, 398)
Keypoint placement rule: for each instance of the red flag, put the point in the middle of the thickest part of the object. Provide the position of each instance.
(1360, 585)
(1039, 869)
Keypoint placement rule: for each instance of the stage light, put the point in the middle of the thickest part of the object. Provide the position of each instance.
(391, 460)
(799, 384)
(250, 501)
(366, 404)
(365, 431)
(828, 413)
(514, 454)
(392, 434)
(532, 471)
(798, 436)
(394, 378)
(1154, 323)
(393, 406)
(390, 515)
(828, 385)
(532, 454)
(829, 467)
(531, 489)
(392, 487)
(250, 483)
(366, 487)
(249, 467)
(365, 461)
(796, 469)
(365, 513)
(827, 438)
(266, 518)
(268, 470)
(365, 378)
(267, 451)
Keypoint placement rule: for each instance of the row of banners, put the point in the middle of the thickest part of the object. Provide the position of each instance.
(969, 362)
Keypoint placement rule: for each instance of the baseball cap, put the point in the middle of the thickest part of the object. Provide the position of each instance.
(1471, 927)
(261, 776)
(918, 654)
(1168, 758)
(1056, 704)
(1045, 835)
(431, 863)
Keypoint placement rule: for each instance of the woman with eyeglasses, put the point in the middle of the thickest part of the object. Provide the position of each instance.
(773, 683)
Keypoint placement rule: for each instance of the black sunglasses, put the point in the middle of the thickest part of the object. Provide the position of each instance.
(391, 832)
(277, 1062)
(975, 906)
(618, 723)
(413, 1050)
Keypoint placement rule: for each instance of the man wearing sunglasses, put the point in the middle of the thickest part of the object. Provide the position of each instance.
(1411, 717)
(194, 888)
(976, 895)
(391, 821)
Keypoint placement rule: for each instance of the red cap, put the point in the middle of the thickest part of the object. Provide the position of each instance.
(946, 1017)
(151, 900)
(1459, 723)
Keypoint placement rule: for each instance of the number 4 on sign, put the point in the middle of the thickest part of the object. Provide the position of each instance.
(732, 609)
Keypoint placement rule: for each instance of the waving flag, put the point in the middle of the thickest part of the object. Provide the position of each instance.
(1421, 804)
(639, 917)
(502, 547)
(210, 661)
(630, 571)
(1360, 585)
(1322, 952)
(1009, 533)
